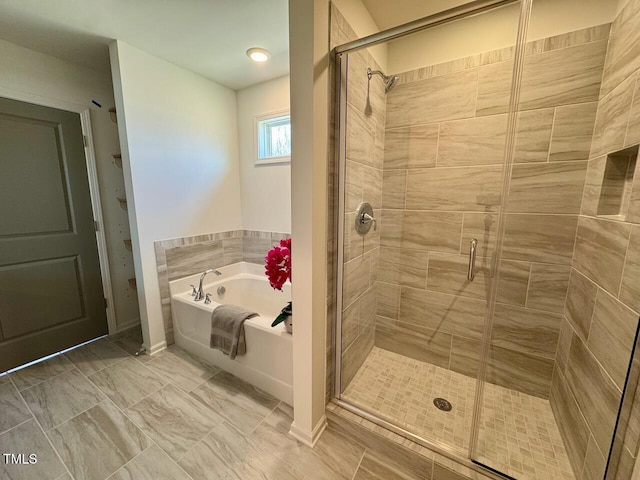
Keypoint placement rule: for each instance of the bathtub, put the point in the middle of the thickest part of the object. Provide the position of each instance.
(268, 363)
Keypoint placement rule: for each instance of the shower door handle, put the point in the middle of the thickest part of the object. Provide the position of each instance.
(473, 244)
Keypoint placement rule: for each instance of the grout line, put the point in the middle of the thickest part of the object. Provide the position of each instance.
(45, 435)
(355, 473)
(262, 421)
(16, 426)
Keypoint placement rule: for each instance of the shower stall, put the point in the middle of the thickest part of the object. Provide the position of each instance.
(487, 232)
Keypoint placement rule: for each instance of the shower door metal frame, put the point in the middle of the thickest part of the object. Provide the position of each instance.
(341, 66)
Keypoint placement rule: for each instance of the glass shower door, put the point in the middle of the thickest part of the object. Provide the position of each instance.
(424, 125)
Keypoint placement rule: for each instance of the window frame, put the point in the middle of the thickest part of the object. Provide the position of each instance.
(256, 137)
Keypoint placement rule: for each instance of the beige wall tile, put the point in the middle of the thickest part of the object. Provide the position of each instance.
(572, 425)
(403, 267)
(630, 289)
(548, 287)
(564, 345)
(472, 141)
(596, 394)
(388, 300)
(465, 355)
(354, 356)
(525, 330)
(433, 100)
(394, 187)
(533, 135)
(350, 322)
(482, 227)
(520, 371)
(190, 259)
(413, 341)
(633, 129)
(572, 132)
(356, 279)
(254, 249)
(540, 238)
(419, 230)
(633, 211)
(460, 189)
(361, 135)
(411, 147)
(612, 335)
(513, 282)
(363, 184)
(581, 299)
(547, 188)
(623, 55)
(445, 313)
(353, 241)
(448, 274)
(601, 246)
(611, 119)
(578, 37)
(594, 462)
(593, 185)
(559, 77)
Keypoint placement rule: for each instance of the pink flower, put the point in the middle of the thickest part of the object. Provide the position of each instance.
(278, 264)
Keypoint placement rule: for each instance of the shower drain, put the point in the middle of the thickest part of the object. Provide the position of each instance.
(442, 404)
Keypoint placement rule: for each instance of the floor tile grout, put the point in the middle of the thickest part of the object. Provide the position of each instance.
(45, 435)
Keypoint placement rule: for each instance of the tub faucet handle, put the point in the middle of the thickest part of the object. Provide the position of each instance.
(207, 299)
(194, 292)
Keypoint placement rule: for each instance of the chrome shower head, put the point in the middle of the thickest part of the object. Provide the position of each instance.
(390, 81)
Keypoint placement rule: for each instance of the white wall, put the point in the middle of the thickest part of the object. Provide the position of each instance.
(34, 77)
(266, 189)
(363, 24)
(179, 140)
(494, 30)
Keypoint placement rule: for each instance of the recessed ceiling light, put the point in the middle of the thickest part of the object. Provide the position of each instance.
(258, 55)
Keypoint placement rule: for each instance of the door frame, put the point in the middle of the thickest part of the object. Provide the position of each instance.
(94, 187)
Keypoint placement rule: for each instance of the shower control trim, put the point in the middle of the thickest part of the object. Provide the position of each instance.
(365, 219)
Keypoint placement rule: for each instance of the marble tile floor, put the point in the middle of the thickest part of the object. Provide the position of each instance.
(518, 434)
(100, 413)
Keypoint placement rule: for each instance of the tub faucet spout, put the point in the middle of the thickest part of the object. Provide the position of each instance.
(200, 293)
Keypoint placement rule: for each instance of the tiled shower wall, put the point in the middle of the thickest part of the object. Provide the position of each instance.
(603, 301)
(181, 257)
(364, 159)
(445, 135)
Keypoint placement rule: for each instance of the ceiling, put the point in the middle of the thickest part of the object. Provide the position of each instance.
(208, 37)
(388, 14)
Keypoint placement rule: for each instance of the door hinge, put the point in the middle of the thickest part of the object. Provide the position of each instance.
(85, 140)
(106, 304)
(96, 226)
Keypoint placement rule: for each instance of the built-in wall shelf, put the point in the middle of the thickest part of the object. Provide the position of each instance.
(117, 158)
(617, 181)
(123, 202)
(132, 283)
(113, 115)
(127, 244)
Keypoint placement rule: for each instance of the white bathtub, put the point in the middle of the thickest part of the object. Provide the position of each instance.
(268, 363)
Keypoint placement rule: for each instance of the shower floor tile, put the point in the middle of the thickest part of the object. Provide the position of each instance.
(518, 434)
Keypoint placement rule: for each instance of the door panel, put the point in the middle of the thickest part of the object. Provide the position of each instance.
(51, 295)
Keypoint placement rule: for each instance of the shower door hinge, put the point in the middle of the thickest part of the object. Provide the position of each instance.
(96, 226)
(106, 304)
(85, 140)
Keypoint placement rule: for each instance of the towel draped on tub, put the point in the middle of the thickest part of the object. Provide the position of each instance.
(227, 329)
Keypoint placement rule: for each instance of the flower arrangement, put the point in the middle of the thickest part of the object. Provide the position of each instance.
(278, 270)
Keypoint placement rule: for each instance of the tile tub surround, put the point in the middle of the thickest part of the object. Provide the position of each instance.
(181, 257)
(202, 433)
(602, 306)
(449, 142)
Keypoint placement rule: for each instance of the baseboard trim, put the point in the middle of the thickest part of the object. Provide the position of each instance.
(309, 439)
(158, 347)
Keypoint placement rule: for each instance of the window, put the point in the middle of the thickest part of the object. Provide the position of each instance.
(273, 138)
